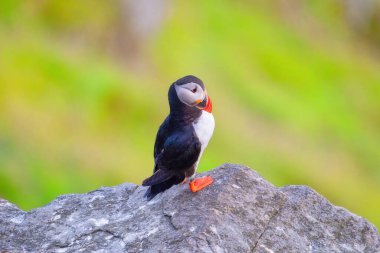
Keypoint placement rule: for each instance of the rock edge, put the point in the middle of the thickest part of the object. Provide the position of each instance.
(240, 212)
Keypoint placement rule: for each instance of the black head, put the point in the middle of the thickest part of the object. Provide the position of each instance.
(186, 96)
(190, 79)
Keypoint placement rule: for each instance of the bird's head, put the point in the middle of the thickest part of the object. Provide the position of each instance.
(191, 92)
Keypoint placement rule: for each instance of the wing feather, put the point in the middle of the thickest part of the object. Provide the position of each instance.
(180, 152)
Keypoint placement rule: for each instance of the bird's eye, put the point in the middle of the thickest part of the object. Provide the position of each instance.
(194, 90)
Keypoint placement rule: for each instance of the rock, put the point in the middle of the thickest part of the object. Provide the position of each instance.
(240, 212)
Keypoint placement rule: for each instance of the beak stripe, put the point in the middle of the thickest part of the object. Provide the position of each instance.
(208, 107)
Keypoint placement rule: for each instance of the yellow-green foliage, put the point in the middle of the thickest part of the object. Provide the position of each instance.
(300, 106)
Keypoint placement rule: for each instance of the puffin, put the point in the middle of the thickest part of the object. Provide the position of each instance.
(182, 138)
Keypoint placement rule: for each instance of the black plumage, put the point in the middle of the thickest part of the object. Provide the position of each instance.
(177, 147)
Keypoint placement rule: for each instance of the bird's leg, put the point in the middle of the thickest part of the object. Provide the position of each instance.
(185, 181)
(199, 183)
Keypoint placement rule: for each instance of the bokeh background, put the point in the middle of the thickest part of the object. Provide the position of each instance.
(295, 87)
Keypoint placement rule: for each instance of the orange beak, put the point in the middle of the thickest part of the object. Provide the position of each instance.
(208, 107)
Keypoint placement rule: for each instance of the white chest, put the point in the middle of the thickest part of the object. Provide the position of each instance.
(204, 128)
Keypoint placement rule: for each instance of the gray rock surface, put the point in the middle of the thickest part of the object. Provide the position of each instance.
(240, 212)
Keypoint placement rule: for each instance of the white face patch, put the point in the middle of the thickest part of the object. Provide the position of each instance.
(204, 128)
(190, 93)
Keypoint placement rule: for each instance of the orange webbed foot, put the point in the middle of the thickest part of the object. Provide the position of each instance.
(200, 183)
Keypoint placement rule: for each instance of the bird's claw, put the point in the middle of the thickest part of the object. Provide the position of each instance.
(200, 183)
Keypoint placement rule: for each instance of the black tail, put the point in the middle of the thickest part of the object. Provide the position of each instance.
(160, 187)
(158, 177)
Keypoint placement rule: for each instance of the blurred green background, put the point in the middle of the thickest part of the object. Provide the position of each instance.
(295, 87)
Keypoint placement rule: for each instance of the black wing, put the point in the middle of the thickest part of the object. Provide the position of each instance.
(179, 152)
(161, 137)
